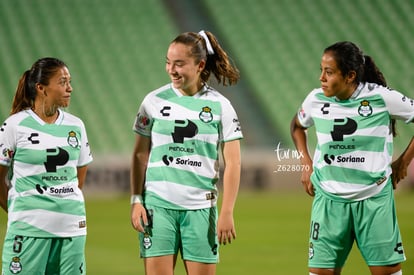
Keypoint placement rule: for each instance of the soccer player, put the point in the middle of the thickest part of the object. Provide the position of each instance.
(45, 152)
(352, 176)
(181, 129)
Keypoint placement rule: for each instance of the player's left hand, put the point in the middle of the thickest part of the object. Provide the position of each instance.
(226, 231)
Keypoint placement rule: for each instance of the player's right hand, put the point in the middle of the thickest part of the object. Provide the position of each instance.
(139, 217)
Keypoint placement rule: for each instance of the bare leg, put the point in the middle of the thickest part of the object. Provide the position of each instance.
(325, 271)
(195, 268)
(160, 265)
(385, 270)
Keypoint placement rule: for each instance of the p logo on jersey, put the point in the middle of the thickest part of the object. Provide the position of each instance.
(72, 139)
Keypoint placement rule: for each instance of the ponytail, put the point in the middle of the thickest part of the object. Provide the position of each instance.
(204, 46)
(371, 72)
(219, 64)
(40, 72)
(25, 94)
(350, 58)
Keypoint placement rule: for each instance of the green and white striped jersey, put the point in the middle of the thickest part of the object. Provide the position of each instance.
(185, 134)
(355, 144)
(44, 199)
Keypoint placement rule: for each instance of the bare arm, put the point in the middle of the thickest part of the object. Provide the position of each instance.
(400, 165)
(82, 175)
(299, 137)
(139, 164)
(3, 187)
(226, 231)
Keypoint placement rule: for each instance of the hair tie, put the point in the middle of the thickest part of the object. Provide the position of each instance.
(210, 50)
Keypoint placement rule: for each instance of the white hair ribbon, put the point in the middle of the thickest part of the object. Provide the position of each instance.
(210, 50)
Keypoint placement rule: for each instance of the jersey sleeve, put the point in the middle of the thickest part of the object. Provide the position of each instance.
(230, 125)
(305, 111)
(399, 106)
(85, 156)
(143, 120)
(7, 142)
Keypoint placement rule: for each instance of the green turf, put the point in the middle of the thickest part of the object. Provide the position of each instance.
(272, 231)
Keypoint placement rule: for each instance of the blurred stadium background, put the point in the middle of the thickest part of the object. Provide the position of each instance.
(115, 50)
(116, 54)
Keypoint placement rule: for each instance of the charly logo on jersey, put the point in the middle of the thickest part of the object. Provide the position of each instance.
(214, 249)
(15, 266)
(365, 109)
(34, 138)
(399, 248)
(2, 127)
(325, 108)
(238, 127)
(72, 139)
(168, 160)
(165, 111)
(205, 114)
(405, 99)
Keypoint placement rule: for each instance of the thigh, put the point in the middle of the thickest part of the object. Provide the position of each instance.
(199, 235)
(161, 237)
(67, 256)
(25, 255)
(196, 268)
(377, 232)
(160, 265)
(331, 234)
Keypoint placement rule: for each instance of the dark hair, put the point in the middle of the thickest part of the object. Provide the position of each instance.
(40, 72)
(349, 57)
(217, 63)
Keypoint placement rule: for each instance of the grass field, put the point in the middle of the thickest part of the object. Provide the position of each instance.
(272, 230)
